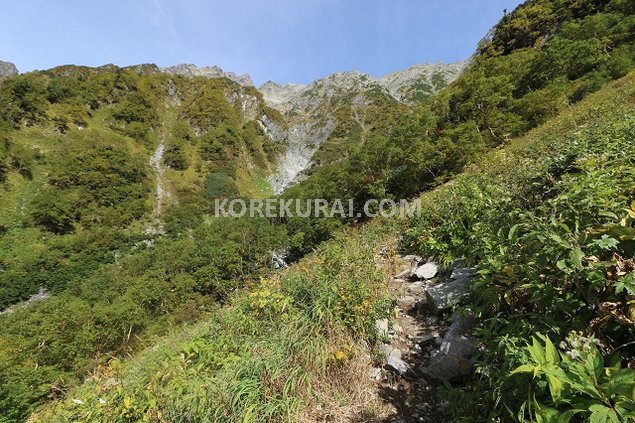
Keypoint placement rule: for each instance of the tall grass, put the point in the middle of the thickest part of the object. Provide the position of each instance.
(264, 358)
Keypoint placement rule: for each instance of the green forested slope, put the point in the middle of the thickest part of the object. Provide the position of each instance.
(521, 215)
(78, 216)
(549, 223)
(547, 219)
(542, 58)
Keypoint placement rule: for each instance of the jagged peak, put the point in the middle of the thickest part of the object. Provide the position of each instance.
(397, 84)
(189, 69)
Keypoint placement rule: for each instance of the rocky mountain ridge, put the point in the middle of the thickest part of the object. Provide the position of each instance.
(405, 85)
(314, 111)
(207, 71)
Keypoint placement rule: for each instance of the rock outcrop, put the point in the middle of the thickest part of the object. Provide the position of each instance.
(408, 85)
(310, 110)
(7, 69)
(208, 72)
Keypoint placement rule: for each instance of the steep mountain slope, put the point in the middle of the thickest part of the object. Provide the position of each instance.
(81, 163)
(294, 347)
(77, 155)
(332, 115)
(539, 60)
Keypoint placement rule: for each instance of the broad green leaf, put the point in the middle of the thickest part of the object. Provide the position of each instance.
(555, 387)
(621, 382)
(576, 256)
(536, 352)
(595, 363)
(609, 214)
(525, 368)
(558, 239)
(546, 414)
(551, 353)
(627, 283)
(566, 416)
(513, 231)
(622, 233)
(599, 413)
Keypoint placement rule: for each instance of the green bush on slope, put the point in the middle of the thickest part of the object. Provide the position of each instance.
(550, 223)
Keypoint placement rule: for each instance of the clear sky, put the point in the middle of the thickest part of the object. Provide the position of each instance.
(283, 40)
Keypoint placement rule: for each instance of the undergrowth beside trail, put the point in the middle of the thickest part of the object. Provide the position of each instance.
(549, 221)
(274, 354)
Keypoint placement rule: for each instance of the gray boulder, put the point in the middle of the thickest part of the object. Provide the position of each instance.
(393, 359)
(463, 272)
(407, 302)
(460, 262)
(454, 360)
(458, 340)
(411, 258)
(449, 367)
(277, 260)
(446, 294)
(382, 326)
(426, 271)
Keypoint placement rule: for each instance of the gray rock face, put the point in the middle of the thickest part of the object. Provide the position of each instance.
(278, 260)
(407, 303)
(411, 258)
(420, 80)
(7, 69)
(208, 72)
(382, 326)
(426, 271)
(463, 272)
(277, 95)
(248, 103)
(449, 367)
(308, 109)
(405, 85)
(458, 340)
(303, 140)
(450, 292)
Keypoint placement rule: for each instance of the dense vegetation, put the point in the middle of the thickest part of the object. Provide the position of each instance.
(289, 340)
(541, 59)
(548, 219)
(78, 216)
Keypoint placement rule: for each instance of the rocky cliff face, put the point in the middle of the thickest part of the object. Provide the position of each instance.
(420, 81)
(209, 72)
(7, 69)
(314, 111)
(409, 85)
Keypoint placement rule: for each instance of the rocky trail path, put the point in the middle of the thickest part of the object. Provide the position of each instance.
(426, 342)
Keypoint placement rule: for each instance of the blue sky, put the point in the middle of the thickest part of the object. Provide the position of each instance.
(283, 40)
